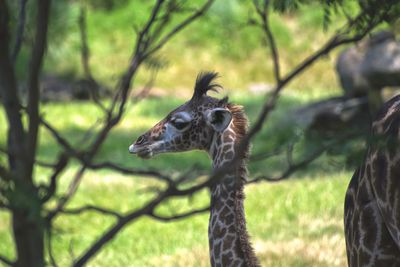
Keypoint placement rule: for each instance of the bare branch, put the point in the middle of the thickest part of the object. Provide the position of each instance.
(44, 164)
(73, 186)
(172, 190)
(62, 141)
(142, 43)
(140, 53)
(178, 216)
(144, 92)
(339, 39)
(59, 167)
(179, 27)
(6, 261)
(75, 211)
(50, 247)
(262, 12)
(9, 97)
(38, 50)
(92, 85)
(85, 53)
(293, 167)
(147, 209)
(113, 230)
(130, 171)
(20, 29)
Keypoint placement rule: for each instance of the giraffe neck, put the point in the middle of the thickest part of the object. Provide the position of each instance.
(228, 238)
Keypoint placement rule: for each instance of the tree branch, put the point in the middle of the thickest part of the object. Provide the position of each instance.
(9, 97)
(50, 247)
(6, 261)
(262, 12)
(292, 168)
(140, 53)
(147, 209)
(33, 79)
(130, 171)
(20, 29)
(75, 211)
(58, 168)
(179, 27)
(60, 140)
(72, 188)
(338, 39)
(178, 216)
(85, 53)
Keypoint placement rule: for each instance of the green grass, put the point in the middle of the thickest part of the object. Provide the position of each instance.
(297, 222)
(292, 223)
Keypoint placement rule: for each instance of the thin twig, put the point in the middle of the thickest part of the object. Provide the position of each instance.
(85, 53)
(269, 105)
(147, 209)
(72, 188)
(91, 82)
(130, 171)
(178, 216)
(6, 261)
(20, 29)
(58, 168)
(60, 140)
(76, 211)
(267, 154)
(141, 52)
(179, 27)
(265, 26)
(50, 247)
(293, 167)
(44, 164)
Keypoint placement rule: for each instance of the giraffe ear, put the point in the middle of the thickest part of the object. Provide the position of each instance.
(219, 118)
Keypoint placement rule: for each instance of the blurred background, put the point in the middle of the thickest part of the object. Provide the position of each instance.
(294, 222)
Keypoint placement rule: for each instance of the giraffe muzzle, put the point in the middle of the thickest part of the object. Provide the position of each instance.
(142, 152)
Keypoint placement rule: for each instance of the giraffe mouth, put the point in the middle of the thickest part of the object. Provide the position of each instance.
(142, 152)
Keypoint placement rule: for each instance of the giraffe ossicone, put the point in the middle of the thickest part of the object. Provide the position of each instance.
(217, 127)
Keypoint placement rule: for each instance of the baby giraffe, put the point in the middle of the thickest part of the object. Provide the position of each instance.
(215, 126)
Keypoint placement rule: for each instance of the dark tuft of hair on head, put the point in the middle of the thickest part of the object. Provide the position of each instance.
(204, 83)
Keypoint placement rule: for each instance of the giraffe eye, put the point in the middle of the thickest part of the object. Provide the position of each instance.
(180, 125)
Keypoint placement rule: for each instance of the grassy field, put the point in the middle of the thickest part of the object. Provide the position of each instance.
(297, 222)
(222, 40)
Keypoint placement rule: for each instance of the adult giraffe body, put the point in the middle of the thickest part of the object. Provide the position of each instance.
(215, 126)
(372, 205)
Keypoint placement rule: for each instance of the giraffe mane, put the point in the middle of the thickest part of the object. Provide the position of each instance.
(240, 121)
(240, 127)
(204, 83)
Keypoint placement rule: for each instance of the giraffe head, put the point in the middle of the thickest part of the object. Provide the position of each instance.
(190, 126)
